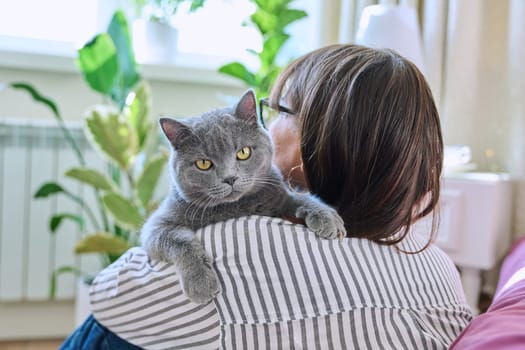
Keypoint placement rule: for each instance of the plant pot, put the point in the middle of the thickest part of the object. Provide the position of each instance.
(82, 305)
(154, 42)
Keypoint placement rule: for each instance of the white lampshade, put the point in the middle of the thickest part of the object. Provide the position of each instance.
(394, 27)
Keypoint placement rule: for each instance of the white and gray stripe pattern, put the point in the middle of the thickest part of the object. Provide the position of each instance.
(142, 302)
(284, 288)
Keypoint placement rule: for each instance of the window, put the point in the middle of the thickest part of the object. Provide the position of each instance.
(214, 30)
(54, 20)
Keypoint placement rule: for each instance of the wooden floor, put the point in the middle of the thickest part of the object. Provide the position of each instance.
(31, 345)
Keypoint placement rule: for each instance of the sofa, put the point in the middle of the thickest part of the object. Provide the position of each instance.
(502, 326)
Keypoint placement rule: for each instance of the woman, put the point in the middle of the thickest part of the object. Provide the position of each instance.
(358, 128)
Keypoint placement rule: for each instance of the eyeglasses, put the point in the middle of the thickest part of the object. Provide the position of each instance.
(267, 113)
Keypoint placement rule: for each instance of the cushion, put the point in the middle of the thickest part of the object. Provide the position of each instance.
(503, 325)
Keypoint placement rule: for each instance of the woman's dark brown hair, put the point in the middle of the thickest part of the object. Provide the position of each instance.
(371, 139)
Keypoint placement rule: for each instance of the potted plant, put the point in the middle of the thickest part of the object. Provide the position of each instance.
(271, 18)
(125, 136)
(154, 37)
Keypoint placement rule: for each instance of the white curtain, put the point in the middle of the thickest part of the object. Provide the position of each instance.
(515, 114)
(433, 16)
(474, 53)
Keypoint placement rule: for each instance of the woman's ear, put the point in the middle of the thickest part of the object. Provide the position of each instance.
(246, 108)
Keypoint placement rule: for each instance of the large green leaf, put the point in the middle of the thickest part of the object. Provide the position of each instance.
(148, 180)
(138, 111)
(98, 63)
(238, 70)
(128, 75)
(56, 220)
(90, 177)
(101, 242)
(112, 135)
(123, 210)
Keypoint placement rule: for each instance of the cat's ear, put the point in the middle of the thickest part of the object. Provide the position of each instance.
(246, 108)
(174, 130)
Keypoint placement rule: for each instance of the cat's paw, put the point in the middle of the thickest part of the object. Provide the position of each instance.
(325, 222)
(200, 283)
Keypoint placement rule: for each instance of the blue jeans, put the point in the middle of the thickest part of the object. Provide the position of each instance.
(91, 335)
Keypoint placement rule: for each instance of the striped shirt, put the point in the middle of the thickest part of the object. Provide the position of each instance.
(285, 288)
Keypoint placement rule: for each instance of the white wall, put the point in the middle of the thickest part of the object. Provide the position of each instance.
(179, 91)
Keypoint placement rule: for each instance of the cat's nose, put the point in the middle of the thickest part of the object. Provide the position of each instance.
(230, 180)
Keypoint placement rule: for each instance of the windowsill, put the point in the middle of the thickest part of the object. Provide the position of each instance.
(52, 56)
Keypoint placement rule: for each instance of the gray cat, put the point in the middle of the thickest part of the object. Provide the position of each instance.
(221, 168)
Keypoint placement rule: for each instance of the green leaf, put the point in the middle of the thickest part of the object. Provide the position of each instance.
(128, 75)
(98, 63)
(148, 180)
(137, 112)
(151, 207)
(112, 136)
(101, 242)
(196, 4)
(37, 96)
(272, 6)
(90, 177)
(57, 219)
(264, 21)
(271, 48)
(123, 211)
(271, 19)
(267, 81)
(238, 70)
(56, 273)
(52, 188)
(47, 189)
(289, 16)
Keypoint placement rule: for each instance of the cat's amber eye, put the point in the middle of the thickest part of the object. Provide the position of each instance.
(203, 164)
(244, 153)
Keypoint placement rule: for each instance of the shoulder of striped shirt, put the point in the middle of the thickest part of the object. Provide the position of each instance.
(138, 254)
(136, 258)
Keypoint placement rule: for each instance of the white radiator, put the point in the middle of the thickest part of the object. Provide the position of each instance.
(31, 153)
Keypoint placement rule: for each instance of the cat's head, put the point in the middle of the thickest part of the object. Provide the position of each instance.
(220, 155)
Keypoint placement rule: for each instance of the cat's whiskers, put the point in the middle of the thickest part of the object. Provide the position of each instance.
(204, 205)
(211, 201)
(194, 206)
(219, 191)
(266, 180)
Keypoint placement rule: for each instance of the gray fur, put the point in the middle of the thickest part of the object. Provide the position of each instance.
(231, 188)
